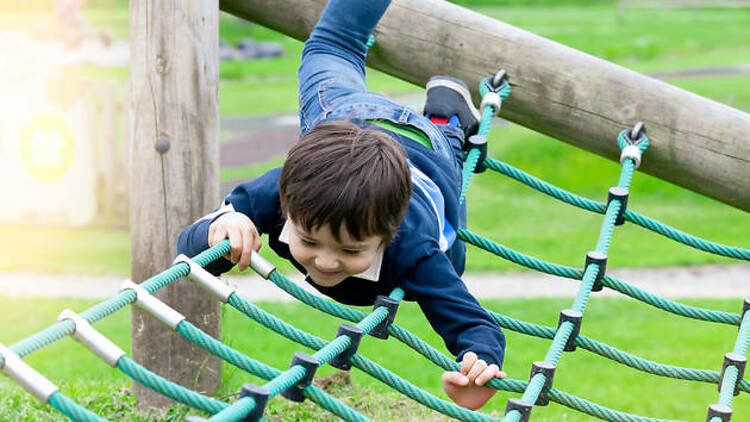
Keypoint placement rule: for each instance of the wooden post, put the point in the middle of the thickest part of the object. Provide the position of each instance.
(174, 104)
(697, 143)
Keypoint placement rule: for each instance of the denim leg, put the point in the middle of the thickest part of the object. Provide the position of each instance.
(333, 58)
(455, 138)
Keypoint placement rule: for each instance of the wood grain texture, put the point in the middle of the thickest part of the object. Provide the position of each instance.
(174, 96)
(696, 143)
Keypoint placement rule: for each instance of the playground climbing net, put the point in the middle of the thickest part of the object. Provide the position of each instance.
(295, 382)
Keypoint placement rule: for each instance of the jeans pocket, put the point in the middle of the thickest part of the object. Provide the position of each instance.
(334, 90)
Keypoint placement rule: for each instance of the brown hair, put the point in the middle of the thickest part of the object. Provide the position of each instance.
(339, 173)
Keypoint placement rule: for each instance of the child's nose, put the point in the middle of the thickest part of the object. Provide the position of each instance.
(326, 262)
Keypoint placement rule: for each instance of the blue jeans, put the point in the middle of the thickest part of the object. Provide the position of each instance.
(332, 77)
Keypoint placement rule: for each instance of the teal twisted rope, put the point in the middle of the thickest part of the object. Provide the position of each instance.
(72, 409)
(424, 349)
(378, 372)
(254, 367)
(485, 124)
(293, 375)
(608, 281)
(609, 352)
(65, 328)
(563, 333)
(167, 388)
(726, 390)
(631, 216)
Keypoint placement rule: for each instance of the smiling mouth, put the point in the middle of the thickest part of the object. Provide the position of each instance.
(328, 273)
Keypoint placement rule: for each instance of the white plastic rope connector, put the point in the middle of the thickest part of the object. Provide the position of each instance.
(93, 340)
(633, 152)
(207, 281)
(261, 265)
(493, 99)
(27, 377)
(153, 306)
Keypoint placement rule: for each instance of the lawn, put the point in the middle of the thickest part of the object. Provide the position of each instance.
(622, 323)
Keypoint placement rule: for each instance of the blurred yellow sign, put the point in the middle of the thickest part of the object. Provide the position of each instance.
(47, 147)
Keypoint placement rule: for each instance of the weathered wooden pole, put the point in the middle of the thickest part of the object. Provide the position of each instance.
(696, 143)
(174, 175)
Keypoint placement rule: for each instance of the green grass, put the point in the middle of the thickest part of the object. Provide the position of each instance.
(622, 323)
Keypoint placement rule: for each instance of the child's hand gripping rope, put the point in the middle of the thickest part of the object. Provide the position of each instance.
(242, 235)
(466, 388)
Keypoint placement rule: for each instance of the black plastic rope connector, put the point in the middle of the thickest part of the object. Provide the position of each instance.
(294, 393)
(260, 396)
(721, 411)
(341, 361)
(739, 362)
(479, 143)
(548, 370)
(521, 406)
(745, 308)
(570, 315)
(620, 194)
(381, 330)
(599, 258)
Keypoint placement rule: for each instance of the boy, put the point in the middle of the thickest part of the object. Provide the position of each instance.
(367, 200)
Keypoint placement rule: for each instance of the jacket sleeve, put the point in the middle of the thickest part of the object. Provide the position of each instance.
(257, 199)
(453, 312)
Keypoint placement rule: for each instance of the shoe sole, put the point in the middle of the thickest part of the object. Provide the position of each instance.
(458, 86)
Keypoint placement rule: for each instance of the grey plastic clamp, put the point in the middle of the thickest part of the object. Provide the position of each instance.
(261, 265)
(93, 340)
(27, 377)
(600, 259)
(205, 280)
(739, 362)
(521, 406)
(633, 152)
(548, 370)
(720, 411)
(493, 99)
(153, 306)
(745, 308)
(574, 317)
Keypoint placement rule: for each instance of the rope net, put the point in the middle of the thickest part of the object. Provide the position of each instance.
(341, 352)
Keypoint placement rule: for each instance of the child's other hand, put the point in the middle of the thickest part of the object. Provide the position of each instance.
(242, 235)
(466, 388)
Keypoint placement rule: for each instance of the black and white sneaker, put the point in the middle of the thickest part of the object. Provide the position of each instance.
(446, 97)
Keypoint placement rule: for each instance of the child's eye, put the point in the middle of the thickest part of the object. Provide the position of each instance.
(307, 242)
(352, 251)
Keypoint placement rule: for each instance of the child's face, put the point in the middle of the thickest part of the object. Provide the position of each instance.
(329, 261)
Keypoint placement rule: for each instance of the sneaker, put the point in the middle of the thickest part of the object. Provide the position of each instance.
(447, 97)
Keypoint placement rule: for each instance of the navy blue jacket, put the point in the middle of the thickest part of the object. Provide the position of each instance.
(413, 261)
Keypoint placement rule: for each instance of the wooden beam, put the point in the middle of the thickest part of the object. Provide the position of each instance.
(174, 104)
(696, 143)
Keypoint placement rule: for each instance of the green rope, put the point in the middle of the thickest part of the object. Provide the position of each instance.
(615, 354)
(254, 367)
(293, 375)
(631, 216)
(72, 410)
(485, 123)
(280, 327)
(65, 328)
(608, 281)
(421, 347)
(167, 388)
